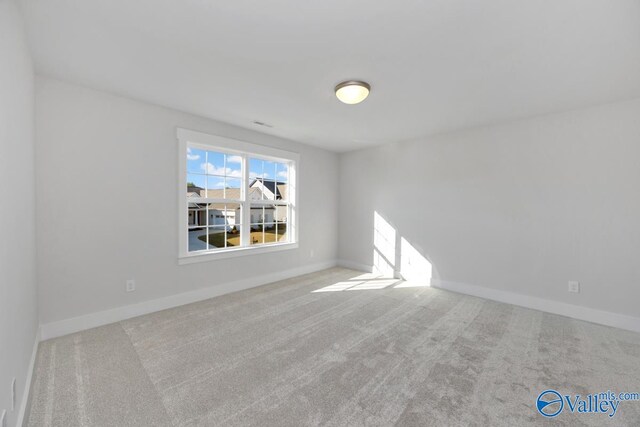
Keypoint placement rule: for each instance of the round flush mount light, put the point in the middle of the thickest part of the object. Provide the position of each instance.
(352, 91)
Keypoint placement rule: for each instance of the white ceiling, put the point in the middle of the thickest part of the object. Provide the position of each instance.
(434, 66)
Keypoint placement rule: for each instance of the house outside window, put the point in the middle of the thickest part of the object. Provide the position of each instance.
(235, 197)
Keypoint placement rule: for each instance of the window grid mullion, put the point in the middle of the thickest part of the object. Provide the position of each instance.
(207, 200)
(245, 233)
(206, 212)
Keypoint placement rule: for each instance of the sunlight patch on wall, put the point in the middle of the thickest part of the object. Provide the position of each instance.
(415, 269)
(393, 257)
(384, 246)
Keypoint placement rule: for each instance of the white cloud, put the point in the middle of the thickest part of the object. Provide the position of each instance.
(253, 175)
(283, 174)
(234, 159)
(191, 156)
(210, 169)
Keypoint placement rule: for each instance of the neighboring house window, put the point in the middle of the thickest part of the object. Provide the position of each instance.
(235, 197)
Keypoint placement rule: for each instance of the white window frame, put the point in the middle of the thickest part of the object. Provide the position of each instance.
(190, 138)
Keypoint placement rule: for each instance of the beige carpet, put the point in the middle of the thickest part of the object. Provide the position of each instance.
(333, 349)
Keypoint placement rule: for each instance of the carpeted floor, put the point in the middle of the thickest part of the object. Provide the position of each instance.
(333, 349)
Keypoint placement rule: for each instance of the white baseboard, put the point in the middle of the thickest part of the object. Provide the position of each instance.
(27, 386)
(577, 312)
(588, 314)
(355, 266)
(92, 320)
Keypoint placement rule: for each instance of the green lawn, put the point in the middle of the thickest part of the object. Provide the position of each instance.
(217, 239)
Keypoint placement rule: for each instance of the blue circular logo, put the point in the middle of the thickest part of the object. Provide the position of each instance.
(550, 403)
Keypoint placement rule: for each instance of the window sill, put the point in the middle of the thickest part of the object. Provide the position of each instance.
(232, 253)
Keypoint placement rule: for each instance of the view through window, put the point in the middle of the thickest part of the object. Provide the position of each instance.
(236, 199)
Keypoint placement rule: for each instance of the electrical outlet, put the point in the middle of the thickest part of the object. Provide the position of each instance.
(3, 418)
(13, 395)
(574, 287)
(131, 285)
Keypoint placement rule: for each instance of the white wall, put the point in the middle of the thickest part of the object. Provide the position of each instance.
(107, 203)
(522, 207)
(18, 310)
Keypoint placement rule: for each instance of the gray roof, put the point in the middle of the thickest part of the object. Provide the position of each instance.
(276, 187)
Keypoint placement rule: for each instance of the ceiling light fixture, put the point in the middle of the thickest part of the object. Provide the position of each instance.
(352, 91)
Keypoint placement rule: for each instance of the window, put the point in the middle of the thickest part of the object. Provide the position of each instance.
(235, 197)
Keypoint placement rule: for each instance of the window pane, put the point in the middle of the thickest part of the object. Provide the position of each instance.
(281, 213)
(256, 168)
(233, 217)
(255, 191)
(257, 225)
(263, 229)
(196, 185)
(256, 178)
(224, 217)
(232, 188)
(234, 213)
(282, 172)
(282, 181)
(195, 159)
(216, 213)
(281, 191)
(270, 233)
(214, 164)
(257, 235)
(215, 187)
(263, 189)
(215, 236)
(269, 170)
(234, 165)
(281, 232)
(257, 215)
(233, 235)
(262, 214)
(269, 213)
(197, 215)
(268, 183)
(269, 190)
(195, 241)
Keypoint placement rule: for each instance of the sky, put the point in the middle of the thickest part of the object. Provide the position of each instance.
(211, 169)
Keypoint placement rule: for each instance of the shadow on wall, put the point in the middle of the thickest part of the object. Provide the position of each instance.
(395, 256)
